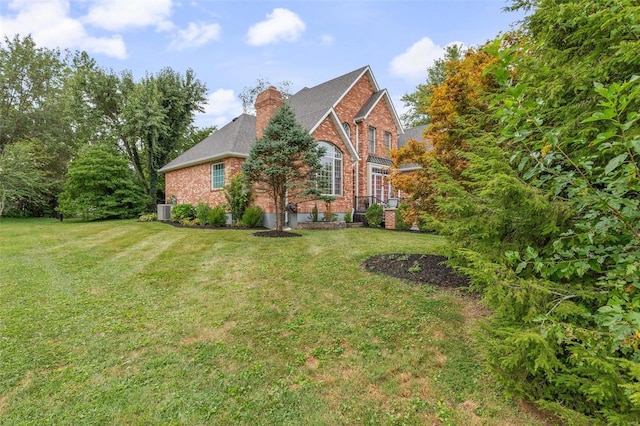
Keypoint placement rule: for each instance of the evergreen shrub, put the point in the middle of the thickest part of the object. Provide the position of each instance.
(217, 216)
(252, 217)
(374, 215)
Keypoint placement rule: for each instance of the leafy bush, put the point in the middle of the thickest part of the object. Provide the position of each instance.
(189, 222)
(202, 213)
(374, 215)
(183, 211)
(252, 217)
(101, 185)
(347, 217)
(400, 222)
(238, 196)
(217, 216)
(148, 217)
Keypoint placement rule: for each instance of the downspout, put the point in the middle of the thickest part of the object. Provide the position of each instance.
(357, 161)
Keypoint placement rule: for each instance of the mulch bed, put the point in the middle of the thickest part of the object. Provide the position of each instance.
(276, 234)
(419, 268)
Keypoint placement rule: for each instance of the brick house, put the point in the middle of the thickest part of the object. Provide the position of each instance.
(353, 119)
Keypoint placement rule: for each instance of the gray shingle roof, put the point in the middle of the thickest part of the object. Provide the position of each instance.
(368, 106)
(312, 104)
(234, 138)
(412, 133)
(309, 104)
(379, 160)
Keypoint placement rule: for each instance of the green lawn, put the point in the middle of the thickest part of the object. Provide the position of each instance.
(123, 322)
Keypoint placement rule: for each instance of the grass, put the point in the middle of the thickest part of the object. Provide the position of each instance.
(142, 323)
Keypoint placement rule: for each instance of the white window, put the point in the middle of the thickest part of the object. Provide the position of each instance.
(330, 174)
(387, 140)
(372, 139)
(380, 185)
(347, 128)
(217, 175)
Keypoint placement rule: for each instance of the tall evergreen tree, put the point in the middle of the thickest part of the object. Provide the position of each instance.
(284, 161)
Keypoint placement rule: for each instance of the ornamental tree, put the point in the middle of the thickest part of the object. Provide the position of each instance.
(101, 185)
(284, 161)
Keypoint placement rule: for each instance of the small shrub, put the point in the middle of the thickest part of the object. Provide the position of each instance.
(374, 215)
(202, 212)
(183, 211)
(347, 217)
(238, 195)
(313, 217)
(252, 217)
(148, 217)
(189, 222)
(217, 216)
(400, 222)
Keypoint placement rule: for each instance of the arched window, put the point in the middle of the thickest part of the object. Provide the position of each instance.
(347, 128)
(330, 175)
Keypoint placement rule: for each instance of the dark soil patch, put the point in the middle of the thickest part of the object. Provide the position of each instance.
(228, 227)
(276, 234)
(420, 268)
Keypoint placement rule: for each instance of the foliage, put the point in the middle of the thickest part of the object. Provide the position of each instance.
(183, 211)
(217, 216)
(374, 215)
(202, 212)
(329, 215)
(347, 217)
(284, 161)
(252, 217)
(151, 120)
(238, 196)
(34, 94)
(148, 217)
(313, 216)
(534, 177)
(401, 223)
(417, 102)
(249, 94)
(22, 180)
(100, 185)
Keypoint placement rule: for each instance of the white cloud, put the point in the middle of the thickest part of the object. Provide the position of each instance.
(51, 26)
(195, 35)
(118, 15)
(413, 63)
(327, 39)
(223, 107)
(281, 24)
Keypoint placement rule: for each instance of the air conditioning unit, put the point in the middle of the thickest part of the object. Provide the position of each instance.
(164, 212)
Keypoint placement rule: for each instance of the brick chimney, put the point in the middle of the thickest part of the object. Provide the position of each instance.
(267, 103)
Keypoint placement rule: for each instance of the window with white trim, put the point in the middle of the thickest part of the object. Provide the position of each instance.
(217, 176)
(380, 185)
(330, 175)
(371, 137)
(347, 128)
(387, 140)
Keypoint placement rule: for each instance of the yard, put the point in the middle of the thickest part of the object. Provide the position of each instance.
(143, 323)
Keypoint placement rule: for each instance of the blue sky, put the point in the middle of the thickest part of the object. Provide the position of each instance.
(230, 44)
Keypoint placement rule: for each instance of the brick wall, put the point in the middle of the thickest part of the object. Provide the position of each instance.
(193, 184)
